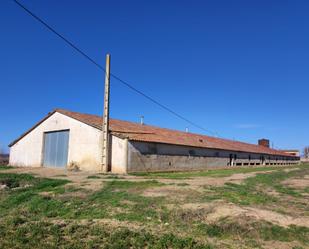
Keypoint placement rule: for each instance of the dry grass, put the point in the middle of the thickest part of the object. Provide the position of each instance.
(250, 208)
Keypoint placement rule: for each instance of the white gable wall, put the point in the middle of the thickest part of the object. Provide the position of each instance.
(84, 144)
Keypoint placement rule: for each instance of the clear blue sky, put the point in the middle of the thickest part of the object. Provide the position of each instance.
(240, 68)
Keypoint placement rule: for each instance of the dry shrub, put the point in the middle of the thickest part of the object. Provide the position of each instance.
(73, 166)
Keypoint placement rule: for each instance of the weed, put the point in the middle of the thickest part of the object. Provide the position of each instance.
(114, 177)
(226, 228)
(94, 177)
(4, 167)
(14, 180)
(114, 195)
(28, 197)
(73, 235)
(306, 190)
(182, 184)
(100, 204)
(269, 231)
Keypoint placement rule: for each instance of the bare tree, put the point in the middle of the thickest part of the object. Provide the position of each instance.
(306, 152)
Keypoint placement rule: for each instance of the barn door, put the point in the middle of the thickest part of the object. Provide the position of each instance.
(56, 149)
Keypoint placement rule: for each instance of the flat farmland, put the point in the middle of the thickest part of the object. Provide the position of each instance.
(254, 207)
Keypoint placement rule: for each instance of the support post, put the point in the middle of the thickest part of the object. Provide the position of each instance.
(105, 125)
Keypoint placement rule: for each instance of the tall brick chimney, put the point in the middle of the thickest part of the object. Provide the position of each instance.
(264, 142)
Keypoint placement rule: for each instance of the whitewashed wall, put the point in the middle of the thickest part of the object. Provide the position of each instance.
(84, 144)
(119, 155)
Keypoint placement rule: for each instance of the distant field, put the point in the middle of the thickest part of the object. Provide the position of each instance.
(264, 207)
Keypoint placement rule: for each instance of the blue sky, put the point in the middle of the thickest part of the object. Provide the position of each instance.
(239, 68)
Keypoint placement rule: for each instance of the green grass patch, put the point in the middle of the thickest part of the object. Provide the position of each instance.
(114, 177)
(241, 194)
(20, 233)
(182, 184)
(105, 176)
(261, 230)
(117, 194)
(210, 173)
(23, 190)
(251, 190)
(42, 198)
(94, 177)
(4, 167)
(37, 212)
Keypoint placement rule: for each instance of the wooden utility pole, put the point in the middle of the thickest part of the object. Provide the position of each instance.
(105, 125)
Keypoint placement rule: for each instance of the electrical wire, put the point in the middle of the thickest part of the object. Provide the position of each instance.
(72, 45)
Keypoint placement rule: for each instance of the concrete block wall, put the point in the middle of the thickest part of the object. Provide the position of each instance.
(146, 157)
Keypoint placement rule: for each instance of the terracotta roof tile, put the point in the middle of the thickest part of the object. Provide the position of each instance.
(147, 133)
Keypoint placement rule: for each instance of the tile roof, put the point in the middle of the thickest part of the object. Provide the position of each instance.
(147, 133)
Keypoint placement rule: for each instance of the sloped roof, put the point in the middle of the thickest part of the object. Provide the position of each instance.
(147, 133)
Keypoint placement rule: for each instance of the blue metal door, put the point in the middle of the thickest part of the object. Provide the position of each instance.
(56, 149)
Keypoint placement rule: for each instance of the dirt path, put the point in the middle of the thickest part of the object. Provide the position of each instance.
(82, 178)
(214, 211)
(301, 183)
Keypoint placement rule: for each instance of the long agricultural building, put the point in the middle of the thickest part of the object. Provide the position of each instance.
(66, 139)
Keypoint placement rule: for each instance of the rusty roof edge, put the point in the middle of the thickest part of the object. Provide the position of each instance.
(119, 135)
(271, 151)
(131, 132)
(206, 137)
(67, 113)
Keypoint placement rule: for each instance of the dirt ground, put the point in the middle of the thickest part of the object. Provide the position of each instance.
(180, 188)
(84, 179)
(180, 194)
(298, 182)
(217, 210)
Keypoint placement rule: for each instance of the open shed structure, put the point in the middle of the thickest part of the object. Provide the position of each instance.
(65, 138)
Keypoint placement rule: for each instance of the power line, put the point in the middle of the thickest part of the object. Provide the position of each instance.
(59, 35)
(71, 44)
(161, 105)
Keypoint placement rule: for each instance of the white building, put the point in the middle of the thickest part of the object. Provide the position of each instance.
(65, 138)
